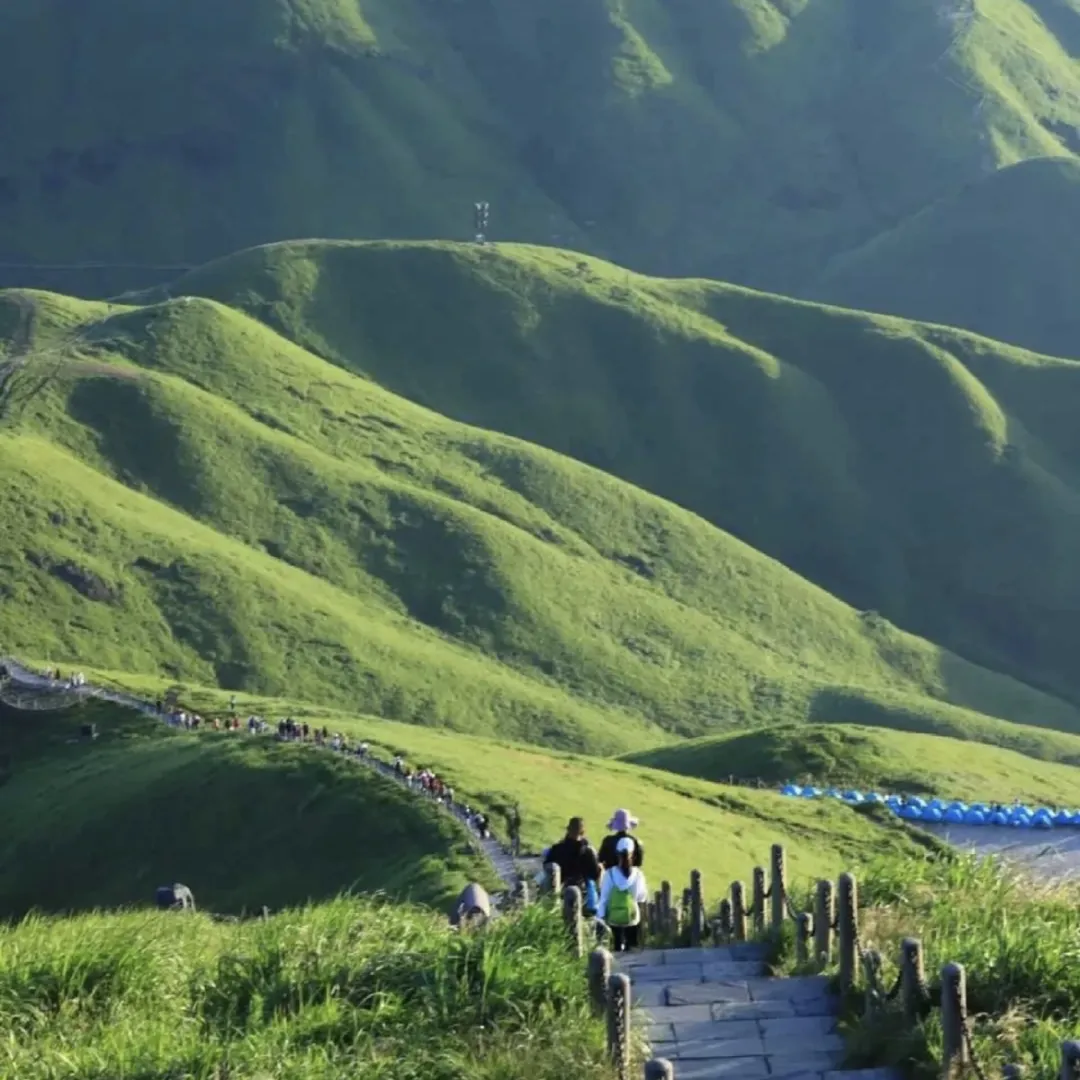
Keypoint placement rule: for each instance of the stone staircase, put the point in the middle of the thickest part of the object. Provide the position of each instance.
(715, 1015)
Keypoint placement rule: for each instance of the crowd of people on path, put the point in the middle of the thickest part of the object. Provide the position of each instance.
(611, 880)
(612, 883)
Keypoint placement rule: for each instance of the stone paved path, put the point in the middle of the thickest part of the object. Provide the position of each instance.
(715, 1015)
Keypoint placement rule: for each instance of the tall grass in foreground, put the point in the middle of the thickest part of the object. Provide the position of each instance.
(352, 988)
(1018, 940)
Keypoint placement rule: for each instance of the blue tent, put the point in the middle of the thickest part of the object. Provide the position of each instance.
(1042, 820)
(910, 813)
(981, 807)
(791, 789)
(999, 817)
(1063, 817)
(811, 792)
(931, 813)
(914, 800)
(875, 797)
(853, 796)
(961, 806)
(834, 793)
(954, 815)
(974, 817)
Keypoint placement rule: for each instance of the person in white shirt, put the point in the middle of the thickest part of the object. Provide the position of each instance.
(622, 893)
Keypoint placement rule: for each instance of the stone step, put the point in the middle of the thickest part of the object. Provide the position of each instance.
(715, 1016)
(787, 1068)
(723, 954)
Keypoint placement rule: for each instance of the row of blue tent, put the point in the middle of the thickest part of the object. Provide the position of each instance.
(912, 808)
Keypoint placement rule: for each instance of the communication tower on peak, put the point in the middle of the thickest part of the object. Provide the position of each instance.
(481, 217)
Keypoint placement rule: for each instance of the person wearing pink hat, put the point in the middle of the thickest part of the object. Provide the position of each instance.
(621, 824)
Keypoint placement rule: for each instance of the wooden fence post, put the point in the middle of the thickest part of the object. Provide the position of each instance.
(912, 978)
(738, 910)
(953, 1017)
(759, 901)
(674, 927)
(618, 1024)
(599, 973)
(824, 917)
(659, 1069)
(847, 918)
(553, 878)
(803, 929)
(722, 931)
(1070, 1060)
(778, 887)
(571, 909)
(697, 908)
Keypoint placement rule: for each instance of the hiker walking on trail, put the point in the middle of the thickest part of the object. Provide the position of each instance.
(513, 829)
(577, 863)
(621, 824)
(622, 893)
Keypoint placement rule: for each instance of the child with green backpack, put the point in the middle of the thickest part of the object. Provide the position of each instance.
(622, 893)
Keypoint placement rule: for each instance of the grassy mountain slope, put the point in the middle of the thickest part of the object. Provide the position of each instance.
(677, 812)
(923, 473)
(243, 822)
(750, 139)
(191, 494)
(996, 257)
(873, 759)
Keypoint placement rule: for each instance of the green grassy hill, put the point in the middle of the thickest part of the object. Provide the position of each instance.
(243, 822)
(190, 494)
(923, 473)
(875, 759)
(996, 257)
(677, 812)
(748, 139)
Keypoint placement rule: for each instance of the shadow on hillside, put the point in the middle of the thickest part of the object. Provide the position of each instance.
(244, 822)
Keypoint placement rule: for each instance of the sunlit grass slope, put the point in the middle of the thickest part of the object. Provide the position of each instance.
(343, 989)
(1013, 937)
(995, 257)
(681, 816)
(243, 822)
(875, 759)
(923, 473)
(751, 139)
(194, 495)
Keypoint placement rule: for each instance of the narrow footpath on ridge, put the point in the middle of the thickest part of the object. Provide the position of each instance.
(37, 687)
(715, 1015)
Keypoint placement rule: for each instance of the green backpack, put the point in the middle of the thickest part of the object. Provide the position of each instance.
(622, 908)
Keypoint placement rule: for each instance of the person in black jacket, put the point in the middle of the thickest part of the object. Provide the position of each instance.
(575, 857)
(622, 823)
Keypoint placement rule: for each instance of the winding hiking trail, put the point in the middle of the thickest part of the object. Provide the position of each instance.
(35, 697)
(715, 1015)
(712, 1012)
